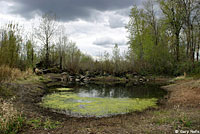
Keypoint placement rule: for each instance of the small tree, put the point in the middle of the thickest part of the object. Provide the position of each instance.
(29, 54)
(10, 45)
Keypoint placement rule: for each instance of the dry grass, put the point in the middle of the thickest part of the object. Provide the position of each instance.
(10, 74)
(185, 93)
(11, 121)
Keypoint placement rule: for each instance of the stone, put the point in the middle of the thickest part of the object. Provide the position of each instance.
(77, 80)
(38, 71)
(141, 80)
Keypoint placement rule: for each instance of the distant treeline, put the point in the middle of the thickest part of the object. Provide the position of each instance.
(164, 38)
(55, 51)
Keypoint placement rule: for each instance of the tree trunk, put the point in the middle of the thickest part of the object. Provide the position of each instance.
(192, 45)
(197, 52)
(47, 56)
(32, 57)
(198, 45)
(188, 42)
(61, 62)
(177, 46)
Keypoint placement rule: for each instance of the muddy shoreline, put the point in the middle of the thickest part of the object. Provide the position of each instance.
(152, 120)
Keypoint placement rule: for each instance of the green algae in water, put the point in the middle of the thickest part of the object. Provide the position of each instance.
(64, 89)
(98, 107)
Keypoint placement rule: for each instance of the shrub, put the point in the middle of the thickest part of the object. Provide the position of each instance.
(9, 74)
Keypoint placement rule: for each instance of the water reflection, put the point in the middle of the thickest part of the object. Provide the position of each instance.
(119, 91)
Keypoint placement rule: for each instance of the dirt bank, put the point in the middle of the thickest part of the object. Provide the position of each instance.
(184, 93)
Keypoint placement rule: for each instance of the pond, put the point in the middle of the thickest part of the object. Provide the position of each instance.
(103, 100)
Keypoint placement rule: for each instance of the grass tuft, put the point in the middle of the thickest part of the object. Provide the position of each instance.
(46, 124)
(11, 121)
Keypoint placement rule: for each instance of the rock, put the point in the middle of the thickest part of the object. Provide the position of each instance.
(141, 80)
(78, 76)
(77, 80)
(82, 77)
(64, 76)
(38, 71)
(64, 73)
(82, 83)
(71, 78)
(105, 74)
(134, 73)
(135, 83)
(86, 80)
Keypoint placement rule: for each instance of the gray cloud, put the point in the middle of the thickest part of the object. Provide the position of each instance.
(68, 9)
(103, 41)
(126, 11)
(108, 42)
(116, 22)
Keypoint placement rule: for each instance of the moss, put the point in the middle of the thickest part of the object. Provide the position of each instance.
(86, 106)
(64, 89)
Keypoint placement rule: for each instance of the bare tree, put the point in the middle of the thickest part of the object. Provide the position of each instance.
(45, 33)
(151, 19)
(62, 47)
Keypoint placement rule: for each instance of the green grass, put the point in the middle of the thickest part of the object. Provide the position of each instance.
(46, 124)
(15, 125)
(98, 107)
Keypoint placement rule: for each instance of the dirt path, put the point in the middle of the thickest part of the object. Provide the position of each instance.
(181, 111)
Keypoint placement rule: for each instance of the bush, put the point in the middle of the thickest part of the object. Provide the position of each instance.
(9, 74)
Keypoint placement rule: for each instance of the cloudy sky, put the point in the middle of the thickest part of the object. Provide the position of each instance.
(95, 25)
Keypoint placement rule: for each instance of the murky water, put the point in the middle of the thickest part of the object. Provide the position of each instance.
(120, 91)
(103, 100)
